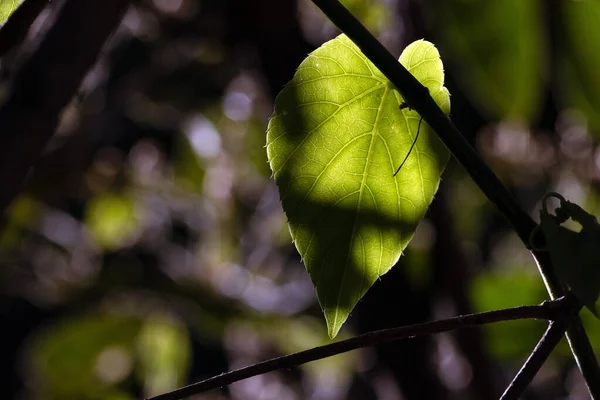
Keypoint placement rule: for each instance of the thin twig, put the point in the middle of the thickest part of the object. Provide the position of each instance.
(47, 82)
(537, 358)
(417, 96)
(15, 29)
(548, 310)
(411, 147)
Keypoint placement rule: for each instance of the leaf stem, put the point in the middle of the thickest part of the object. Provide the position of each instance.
(548, 310)
(417, 96)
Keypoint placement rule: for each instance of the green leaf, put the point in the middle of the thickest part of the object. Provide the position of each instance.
(574, 255)
(579, 81)
(375, 15)
(496, 53)
(84, 357)
(7, 7)
(164, 349)
(112, 220)
(510, 340)
(335, 139)
(187, 166)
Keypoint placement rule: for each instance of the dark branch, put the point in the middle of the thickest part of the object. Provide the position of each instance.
(47, 82)
(15, 29)
(546, 311)
(584, 356)
(536, 359)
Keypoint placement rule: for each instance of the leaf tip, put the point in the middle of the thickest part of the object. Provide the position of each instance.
(335, 318)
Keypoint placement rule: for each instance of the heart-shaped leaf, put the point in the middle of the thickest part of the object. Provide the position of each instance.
(337, 135)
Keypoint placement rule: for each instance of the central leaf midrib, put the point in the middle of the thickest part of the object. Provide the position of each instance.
(360, 194)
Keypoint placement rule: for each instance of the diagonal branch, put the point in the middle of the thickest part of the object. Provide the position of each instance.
(541, 352)
(548, 310)
(47, 82)
(537, 358)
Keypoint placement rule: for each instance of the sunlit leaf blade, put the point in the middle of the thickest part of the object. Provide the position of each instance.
(496, 53)
(7, 7)
(335, 139)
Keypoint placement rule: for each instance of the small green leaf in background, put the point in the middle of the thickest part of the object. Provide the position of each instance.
(188, 169)
(22, 213)
(335, 139)
(375, 15)
(508, 286)
(84, 357)
(378, 16)
(578, 80)
(7, 7)
(495, 50)
(164, 350)
(111, 219)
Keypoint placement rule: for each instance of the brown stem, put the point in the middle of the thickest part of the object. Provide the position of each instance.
(548, 310)
(541, 352)
(537, 358)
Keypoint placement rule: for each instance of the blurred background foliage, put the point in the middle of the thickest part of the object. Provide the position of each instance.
(150, 250)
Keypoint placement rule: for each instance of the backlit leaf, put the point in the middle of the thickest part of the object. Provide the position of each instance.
(336, 137)
(7, 7)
